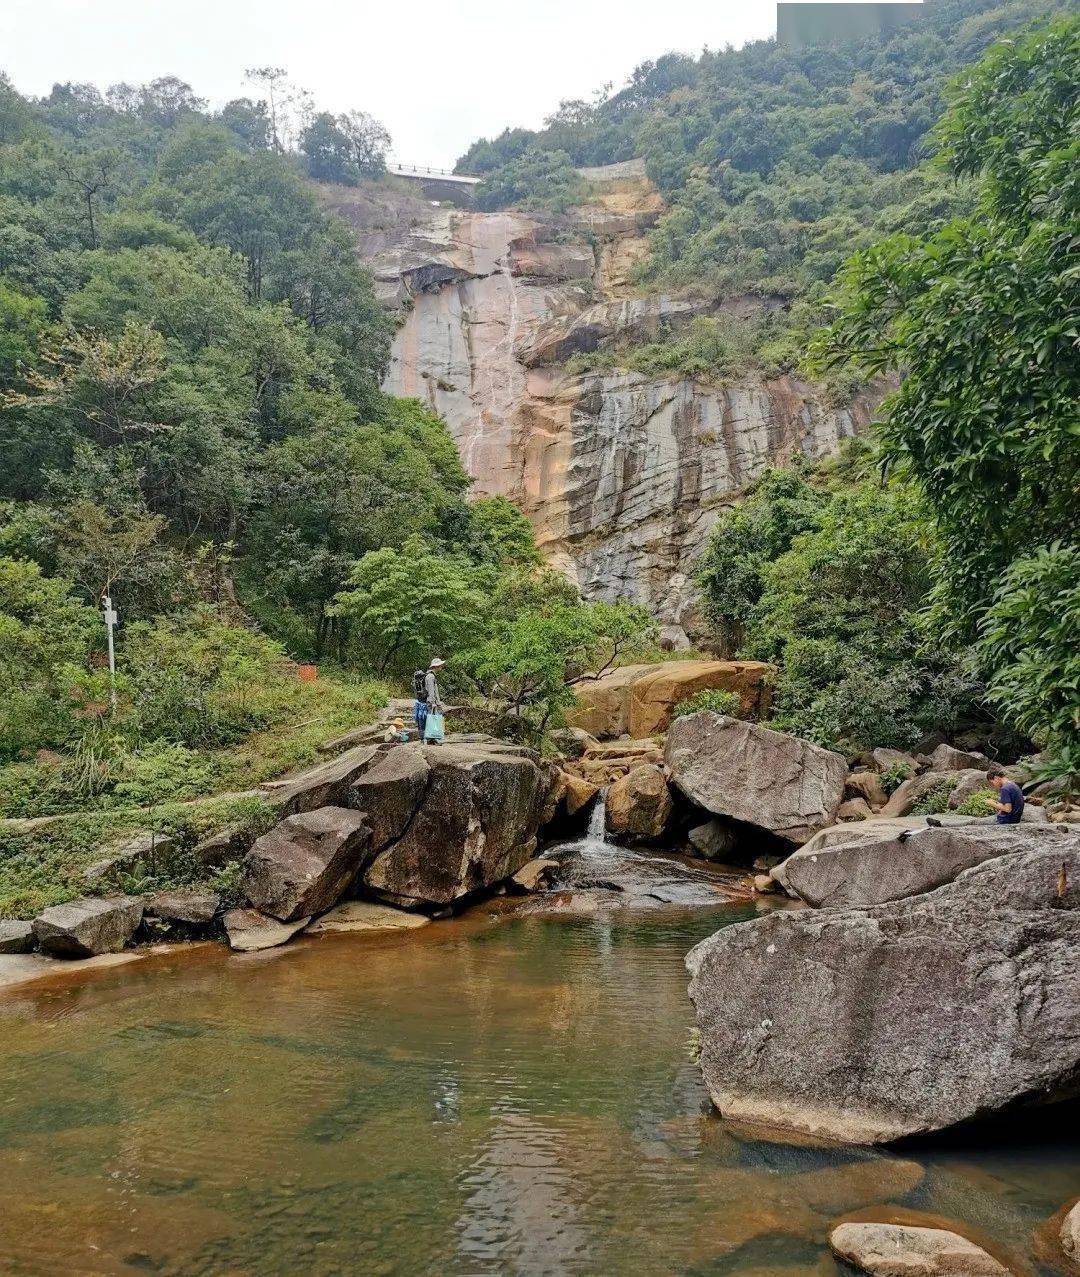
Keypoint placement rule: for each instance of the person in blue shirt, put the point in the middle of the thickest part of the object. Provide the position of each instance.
(1009, 803)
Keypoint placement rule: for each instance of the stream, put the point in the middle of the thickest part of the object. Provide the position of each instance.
(507, 1092)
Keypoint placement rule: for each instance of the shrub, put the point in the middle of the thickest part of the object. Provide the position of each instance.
(894, 776)
(975, 804)
(714, 699)
(935, 800)
(162, 772)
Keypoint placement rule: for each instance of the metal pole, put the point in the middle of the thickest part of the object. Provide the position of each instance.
(110, 622)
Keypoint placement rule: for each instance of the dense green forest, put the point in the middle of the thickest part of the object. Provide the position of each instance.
(776, 164)
(191, 424)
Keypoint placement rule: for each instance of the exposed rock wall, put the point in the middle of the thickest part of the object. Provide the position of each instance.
(621, 474)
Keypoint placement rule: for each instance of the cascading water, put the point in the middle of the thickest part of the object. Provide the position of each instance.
(596, 830)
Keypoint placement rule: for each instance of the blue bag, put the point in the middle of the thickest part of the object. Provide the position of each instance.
(433, 728)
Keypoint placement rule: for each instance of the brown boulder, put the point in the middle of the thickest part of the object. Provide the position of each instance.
(304, 866)
(639, 804)
(780, 783)
(188, 908)
(854, 809)
(639, 700)
(535, 875)
(867, 785)
(475, 827)
(363, 915)
(902, 1250)
(390, 791)
(947, 759)
(87, 927)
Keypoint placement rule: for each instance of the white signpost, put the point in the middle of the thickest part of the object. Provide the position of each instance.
(110, 617)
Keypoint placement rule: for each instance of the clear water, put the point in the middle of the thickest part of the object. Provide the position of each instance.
(488, 1095)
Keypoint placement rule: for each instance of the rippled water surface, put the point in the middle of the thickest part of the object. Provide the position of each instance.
(482, 1096)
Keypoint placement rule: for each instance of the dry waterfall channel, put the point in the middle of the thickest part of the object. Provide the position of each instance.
(621, 474)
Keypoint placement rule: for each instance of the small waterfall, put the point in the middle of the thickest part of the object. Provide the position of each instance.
(597, 830)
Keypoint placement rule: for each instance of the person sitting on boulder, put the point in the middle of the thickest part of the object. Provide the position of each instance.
(1010, 802)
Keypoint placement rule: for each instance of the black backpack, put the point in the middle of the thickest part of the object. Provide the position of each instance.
(419, 685)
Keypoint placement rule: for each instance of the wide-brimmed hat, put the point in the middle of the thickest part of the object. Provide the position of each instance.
(436, 663)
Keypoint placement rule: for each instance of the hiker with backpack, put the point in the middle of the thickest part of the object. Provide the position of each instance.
(428, 710)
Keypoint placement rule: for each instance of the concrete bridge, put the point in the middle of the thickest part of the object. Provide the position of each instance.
(437, 183)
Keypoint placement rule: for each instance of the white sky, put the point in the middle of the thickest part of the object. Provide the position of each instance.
(437, 73)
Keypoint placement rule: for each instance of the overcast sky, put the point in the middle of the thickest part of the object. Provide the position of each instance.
(438, 73)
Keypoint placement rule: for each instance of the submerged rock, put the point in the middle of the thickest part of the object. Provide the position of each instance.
(639, 804)
(364, 915)
(305, 865)
(249, 931)
(474, 826)
(15, 936)
(906, 862)
(866, 1025)
(906, 1250)
(87, 927)
(780, 783)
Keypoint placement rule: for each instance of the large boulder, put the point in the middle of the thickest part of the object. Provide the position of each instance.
(788, 786)
(906, 862)
(908, 1250)
(87, 927)
(946, 758)
(187, 910)
(1069, 1233)
(868, 1025)
(390, 792)
(639, 700)
(714, 840)
(474, 824)
(305, 864)
(324, 785)
(639, 804)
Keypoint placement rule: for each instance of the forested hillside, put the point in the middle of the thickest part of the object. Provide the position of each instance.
(776, 163)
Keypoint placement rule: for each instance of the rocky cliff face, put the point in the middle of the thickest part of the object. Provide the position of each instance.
(621, 474)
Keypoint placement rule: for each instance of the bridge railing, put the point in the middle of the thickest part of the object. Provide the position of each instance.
(418, 170)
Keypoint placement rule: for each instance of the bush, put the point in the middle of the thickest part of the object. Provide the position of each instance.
(195, 680)
(975, 804)
(162, 772)
(714, 699)
(894, 776)
(935, 800)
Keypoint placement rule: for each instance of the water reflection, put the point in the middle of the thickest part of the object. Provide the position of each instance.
(476, 1097)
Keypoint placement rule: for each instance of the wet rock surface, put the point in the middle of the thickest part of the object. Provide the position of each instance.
(250, 931)
(366, 916)
(639, 804)
(779, 783)
(901, 1019)
(904, 1250)
(305, 865)
(85, 928)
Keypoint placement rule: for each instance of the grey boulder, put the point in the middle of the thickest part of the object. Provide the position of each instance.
(305, 864)
(868, 1025)
(906, 862)
(714, 840)
(15, 936)
(787, 786)
(948, 759)
(87, 927)
(187, 908)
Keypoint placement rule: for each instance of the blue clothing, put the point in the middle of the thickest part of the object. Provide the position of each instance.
(1012, 794)
(420, 714)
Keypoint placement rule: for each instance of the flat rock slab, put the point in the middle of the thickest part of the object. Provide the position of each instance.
(249, 931)
(16, 937)
(304, 865)
(28, 968)
(868, 1025)
(906, 863)
(87, 927)
(324, 785)
(363, 915)
(192, 908)
(904, 1250)
(787, 786)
